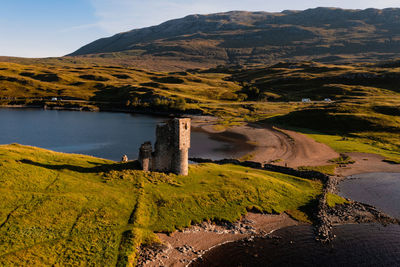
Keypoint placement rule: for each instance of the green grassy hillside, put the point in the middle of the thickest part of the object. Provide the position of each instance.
(64, 209)
(115, 85)
(365, 97)
(365, 107)
(91, 86)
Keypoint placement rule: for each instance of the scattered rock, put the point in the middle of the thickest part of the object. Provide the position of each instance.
(148, 254)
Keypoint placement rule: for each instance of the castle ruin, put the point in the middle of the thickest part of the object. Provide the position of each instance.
(171, 150)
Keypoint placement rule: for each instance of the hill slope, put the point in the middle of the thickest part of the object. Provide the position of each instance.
(62, 209)
(238, 37)
(365, 105)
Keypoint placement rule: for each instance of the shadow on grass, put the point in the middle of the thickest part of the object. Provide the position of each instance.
(131, 165)
(311, 210)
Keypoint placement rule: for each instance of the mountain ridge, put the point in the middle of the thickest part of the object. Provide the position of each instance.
(248, 38)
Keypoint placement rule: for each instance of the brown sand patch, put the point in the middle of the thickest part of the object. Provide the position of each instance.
(277, 146)
(181, 247)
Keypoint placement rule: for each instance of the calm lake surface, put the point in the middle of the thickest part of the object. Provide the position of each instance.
(355, 245)
(103, 134)
(381, 190)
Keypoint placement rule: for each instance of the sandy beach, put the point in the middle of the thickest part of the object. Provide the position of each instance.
(181, 247)
(293, 149)
(277, 146)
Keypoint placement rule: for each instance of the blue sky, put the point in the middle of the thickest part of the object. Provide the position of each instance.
(44, 28)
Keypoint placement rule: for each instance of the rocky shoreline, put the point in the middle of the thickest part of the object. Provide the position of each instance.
(326, 216)
(347, 213)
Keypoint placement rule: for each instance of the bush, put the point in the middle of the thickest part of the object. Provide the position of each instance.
(179, 104)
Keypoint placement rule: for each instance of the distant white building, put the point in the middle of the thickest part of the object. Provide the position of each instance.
(328, 100)
(306, 100)
(54, 99)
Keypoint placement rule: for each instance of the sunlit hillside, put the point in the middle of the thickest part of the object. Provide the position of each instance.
(64, 209)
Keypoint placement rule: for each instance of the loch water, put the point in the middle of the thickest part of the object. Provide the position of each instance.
(381, 190)
(355, 245)
(103, 134)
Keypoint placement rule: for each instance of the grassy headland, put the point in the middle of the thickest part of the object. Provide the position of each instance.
(73, 209)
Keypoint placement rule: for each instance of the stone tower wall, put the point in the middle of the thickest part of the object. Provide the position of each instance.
(145, 156)
(182, 133)
(180, 159)
(172, 145)
(180, 163)
(163, 148)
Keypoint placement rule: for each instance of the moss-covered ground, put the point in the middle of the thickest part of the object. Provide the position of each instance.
(332, 200)
(65, 209)
(363, 145)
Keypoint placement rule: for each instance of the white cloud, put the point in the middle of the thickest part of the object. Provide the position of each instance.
(123, 15)
(80, 27)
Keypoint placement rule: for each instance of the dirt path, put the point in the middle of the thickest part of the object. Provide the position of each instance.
(281, 147)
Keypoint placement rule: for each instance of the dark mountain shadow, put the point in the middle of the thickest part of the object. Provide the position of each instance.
(132, 165)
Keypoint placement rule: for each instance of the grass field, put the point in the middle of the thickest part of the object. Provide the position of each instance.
(333, 200)
(363, 145)
(64, 209)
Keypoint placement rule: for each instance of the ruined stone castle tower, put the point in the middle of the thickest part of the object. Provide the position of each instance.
(145, 157)
(171, 150)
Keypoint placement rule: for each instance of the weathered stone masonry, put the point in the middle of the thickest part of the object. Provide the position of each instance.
(171, 150)
(145, 157)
